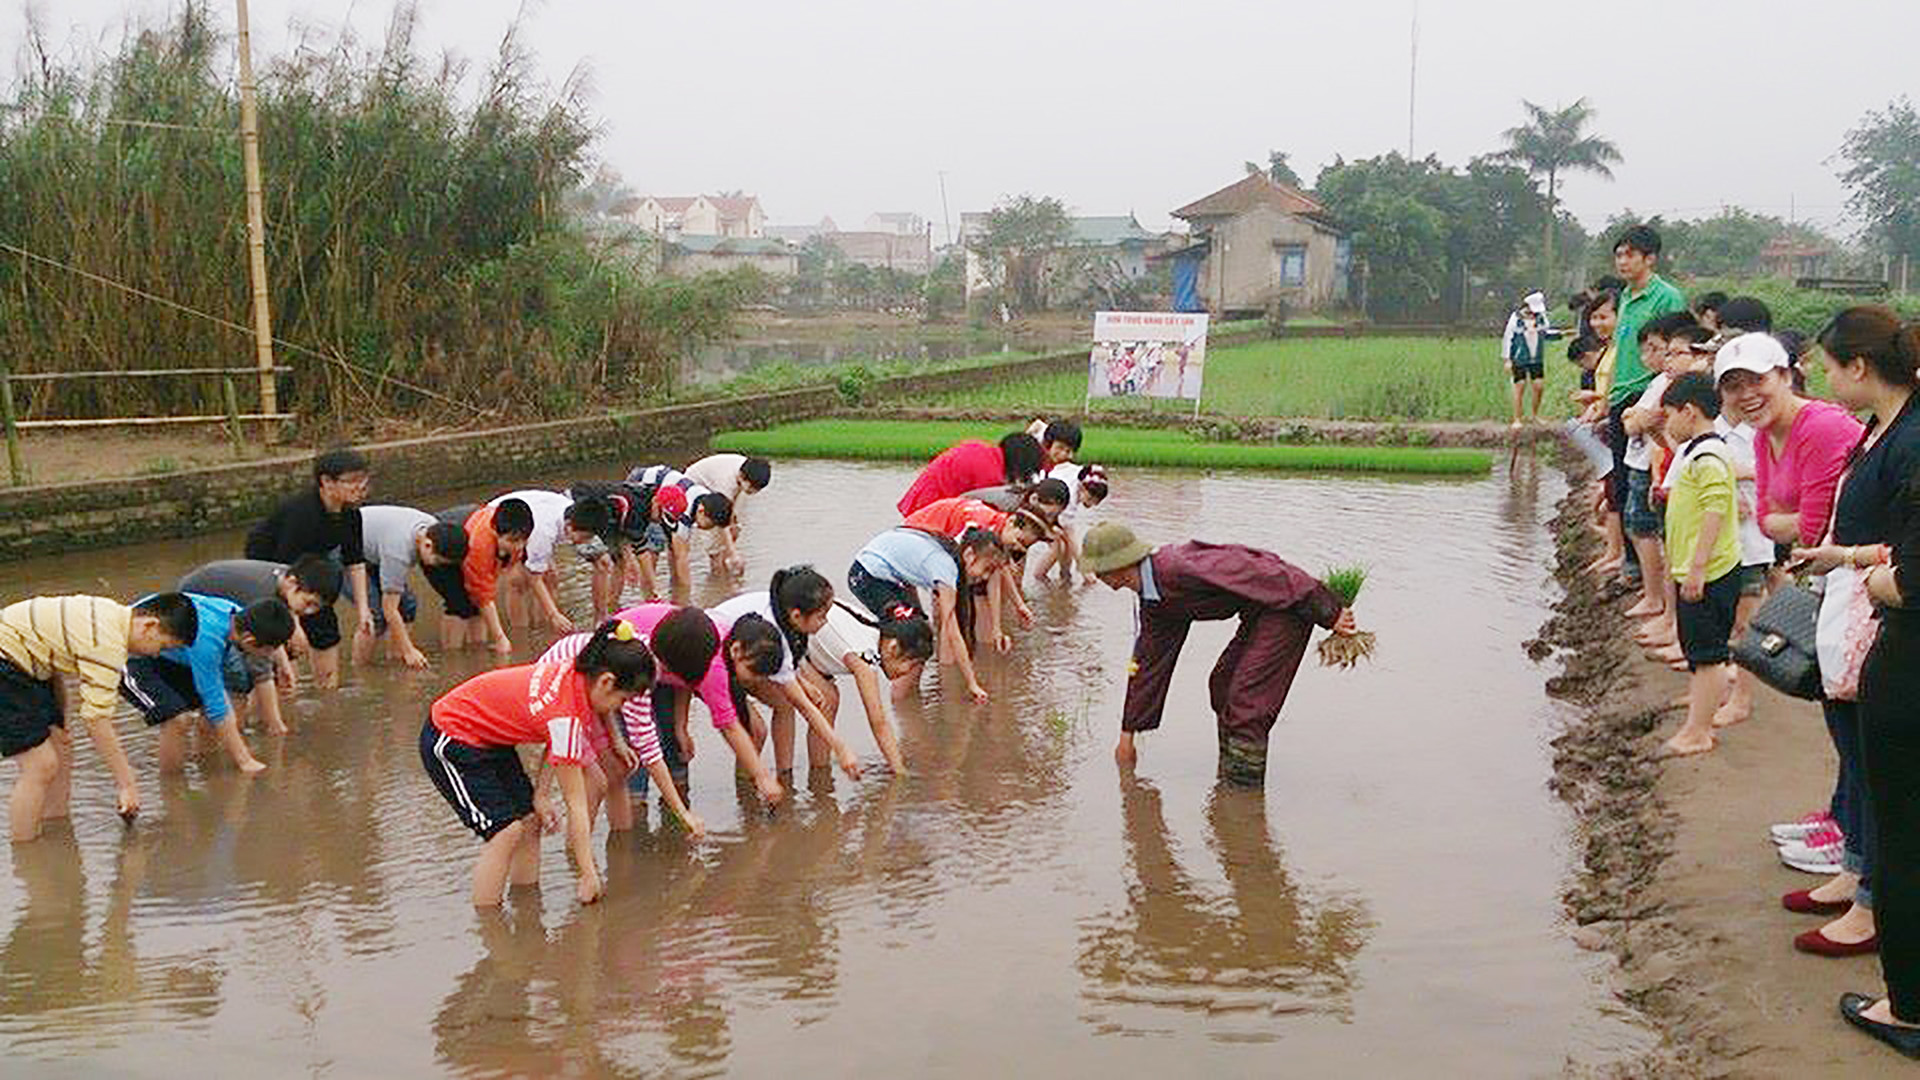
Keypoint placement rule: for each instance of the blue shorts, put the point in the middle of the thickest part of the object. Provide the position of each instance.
(1639, 517)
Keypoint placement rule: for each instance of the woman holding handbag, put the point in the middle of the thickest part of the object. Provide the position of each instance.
(1867, 369)
(1890, 710)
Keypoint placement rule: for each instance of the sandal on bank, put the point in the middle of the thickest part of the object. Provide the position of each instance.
(1904, 1039)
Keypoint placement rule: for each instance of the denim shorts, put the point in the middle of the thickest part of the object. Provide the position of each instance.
(1639, 516)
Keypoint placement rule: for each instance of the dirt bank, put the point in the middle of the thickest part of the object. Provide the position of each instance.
(1676, 877)
(1303, 430)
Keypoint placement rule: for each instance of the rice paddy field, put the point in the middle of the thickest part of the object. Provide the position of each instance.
(919, 440)
(1403, 379)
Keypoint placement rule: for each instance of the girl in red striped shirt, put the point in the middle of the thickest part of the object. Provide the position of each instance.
(467, 745)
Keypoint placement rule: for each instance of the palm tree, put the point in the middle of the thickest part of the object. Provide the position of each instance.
(1551, 142)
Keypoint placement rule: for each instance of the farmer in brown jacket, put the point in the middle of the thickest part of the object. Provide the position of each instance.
(1277, 603)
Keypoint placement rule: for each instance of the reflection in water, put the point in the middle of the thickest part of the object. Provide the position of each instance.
(1259, 948)
(53, 986)
(316, 919)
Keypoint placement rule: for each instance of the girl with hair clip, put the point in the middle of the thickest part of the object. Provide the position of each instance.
(850, 643)
(795, 603)
(467, 747)
(694, 660)
(615, 755)
(1089, 489)
(888, 572)
(1017, 530)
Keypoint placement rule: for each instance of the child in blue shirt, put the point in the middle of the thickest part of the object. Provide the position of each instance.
(165, 688)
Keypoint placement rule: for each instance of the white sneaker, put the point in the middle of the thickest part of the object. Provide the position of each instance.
(1799, 830)
(1811, 859)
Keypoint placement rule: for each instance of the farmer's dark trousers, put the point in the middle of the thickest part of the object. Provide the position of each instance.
(1249, 685)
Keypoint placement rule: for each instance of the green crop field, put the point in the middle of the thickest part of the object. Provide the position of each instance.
(1398, 379)
(921, 440)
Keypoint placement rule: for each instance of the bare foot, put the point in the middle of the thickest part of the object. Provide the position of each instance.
(1881, 1012)
(1678, 747)
(252, 767)
(1645, 609)
(1729, 714)
(1669, 653)
(1684, 699)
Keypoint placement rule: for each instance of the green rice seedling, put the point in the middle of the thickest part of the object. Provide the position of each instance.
(1376, 378)
(909, 440)
(1345, 650)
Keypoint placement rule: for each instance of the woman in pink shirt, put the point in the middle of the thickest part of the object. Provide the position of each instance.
(974, 464)
(1802, 446)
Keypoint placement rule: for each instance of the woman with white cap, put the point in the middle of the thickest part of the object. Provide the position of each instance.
(1800, 448)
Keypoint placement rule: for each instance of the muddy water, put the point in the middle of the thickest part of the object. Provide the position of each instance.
(1388, 908)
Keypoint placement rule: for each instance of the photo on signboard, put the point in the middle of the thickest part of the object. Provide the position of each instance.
(1147, 354)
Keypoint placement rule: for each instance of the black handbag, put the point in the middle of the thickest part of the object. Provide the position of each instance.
(1778, 646)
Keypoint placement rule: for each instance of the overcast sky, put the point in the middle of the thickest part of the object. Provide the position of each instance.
(844, 107)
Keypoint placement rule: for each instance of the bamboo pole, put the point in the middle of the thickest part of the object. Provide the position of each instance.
(233, 416)
(256, 220)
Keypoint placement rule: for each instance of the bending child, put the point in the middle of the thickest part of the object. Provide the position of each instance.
(89, 638)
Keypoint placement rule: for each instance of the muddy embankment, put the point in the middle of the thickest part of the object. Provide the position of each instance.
(1603, 767)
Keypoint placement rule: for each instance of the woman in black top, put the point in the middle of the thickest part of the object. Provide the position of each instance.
(1871, 359)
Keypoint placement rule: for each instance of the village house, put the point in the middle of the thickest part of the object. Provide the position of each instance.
(1255, 242)
(1108, 248)
(699, 215)
(687, 255)
(890, 241)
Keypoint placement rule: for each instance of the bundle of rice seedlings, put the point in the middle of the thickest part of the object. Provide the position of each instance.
(1346, 650)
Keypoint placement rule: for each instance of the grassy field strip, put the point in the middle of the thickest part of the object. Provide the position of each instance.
(1393, 379)
(920, 440)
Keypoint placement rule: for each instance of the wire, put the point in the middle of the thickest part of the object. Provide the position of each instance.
(231, 325)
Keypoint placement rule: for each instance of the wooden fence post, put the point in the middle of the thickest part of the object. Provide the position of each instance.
(14, 460)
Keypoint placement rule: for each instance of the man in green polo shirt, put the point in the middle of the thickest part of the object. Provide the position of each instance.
(1647, 296)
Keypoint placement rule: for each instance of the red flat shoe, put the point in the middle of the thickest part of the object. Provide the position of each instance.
(1801, 902)
(1819, 944)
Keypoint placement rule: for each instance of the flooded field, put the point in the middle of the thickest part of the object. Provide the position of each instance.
(1388, 907)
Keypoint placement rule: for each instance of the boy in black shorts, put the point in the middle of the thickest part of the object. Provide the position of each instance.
(1703, 549)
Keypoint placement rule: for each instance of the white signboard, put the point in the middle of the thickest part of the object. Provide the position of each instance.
(1147, 354)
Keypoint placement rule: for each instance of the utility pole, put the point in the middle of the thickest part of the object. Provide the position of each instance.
(256, 221)
(1413, 74)
(946, 215)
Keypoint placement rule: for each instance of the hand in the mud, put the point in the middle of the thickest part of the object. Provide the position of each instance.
(1346, 625)
(770, 790)
(590, 888)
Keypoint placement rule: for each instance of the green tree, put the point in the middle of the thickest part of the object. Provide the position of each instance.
(1398, 217)
(1278, 170)
(1883, 177)
(1020, 233)
(1552, 142)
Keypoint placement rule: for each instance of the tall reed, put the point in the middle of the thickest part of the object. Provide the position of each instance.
(415, 230)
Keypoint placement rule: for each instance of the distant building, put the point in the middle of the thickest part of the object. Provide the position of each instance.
(700, 215)
(800, 234)
(687, 255)
(909, 253)
(1256, 241)
(1786, 257)
(899, 223)
(1111, 247)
